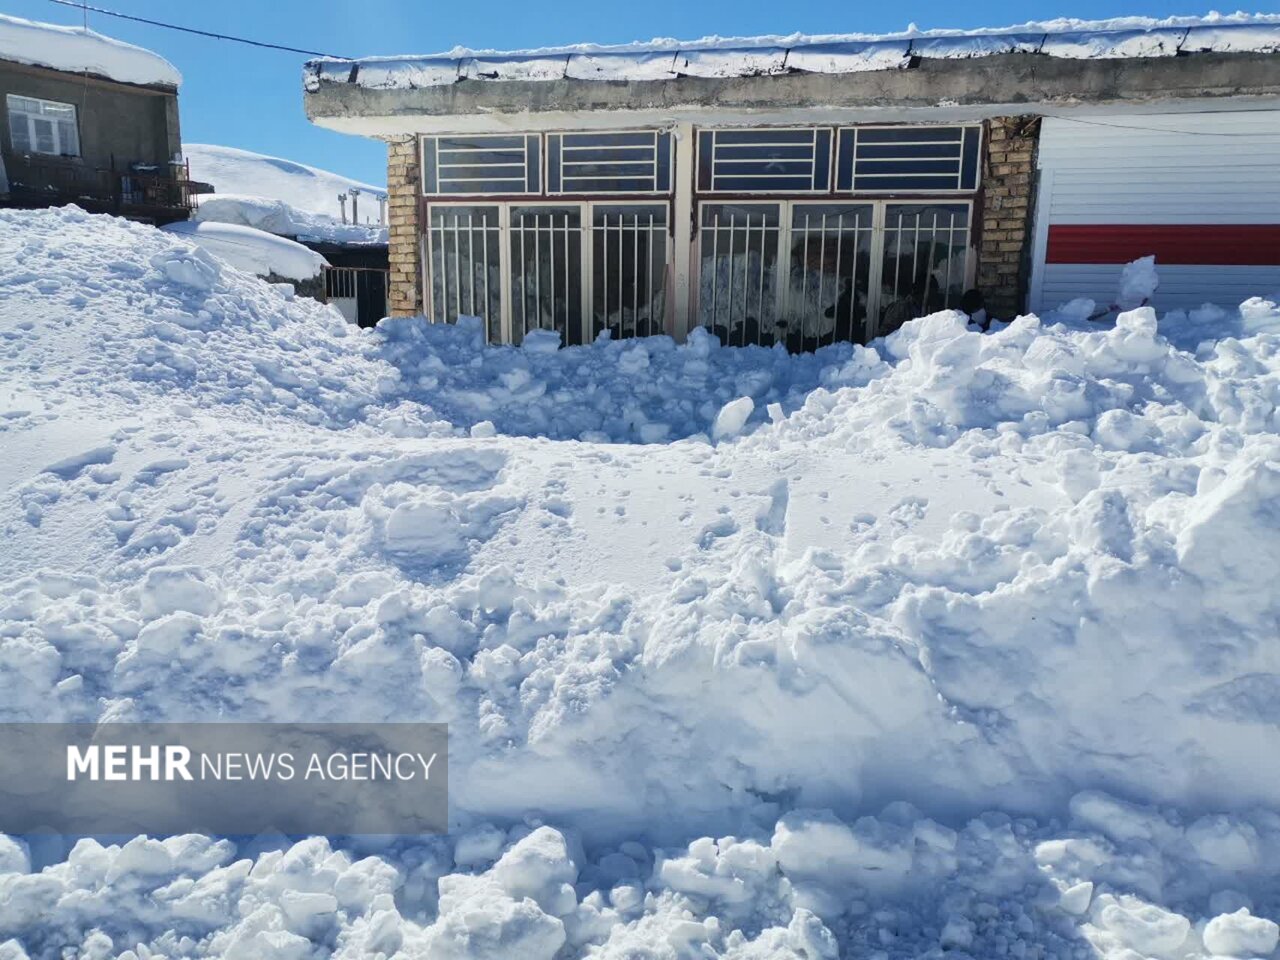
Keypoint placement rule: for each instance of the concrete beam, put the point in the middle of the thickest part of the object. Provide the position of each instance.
(959, 89)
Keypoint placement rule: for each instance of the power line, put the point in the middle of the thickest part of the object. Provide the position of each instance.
(203, 33)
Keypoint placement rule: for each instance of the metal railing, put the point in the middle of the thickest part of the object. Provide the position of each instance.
(40, 180)
(465, 264)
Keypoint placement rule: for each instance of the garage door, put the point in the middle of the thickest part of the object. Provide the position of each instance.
(1200, 191)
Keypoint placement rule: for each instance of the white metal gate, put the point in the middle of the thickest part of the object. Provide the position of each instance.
(576, 267)
(806, 273)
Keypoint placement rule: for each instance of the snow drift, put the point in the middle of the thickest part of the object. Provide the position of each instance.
(253, 251)
(958, 643)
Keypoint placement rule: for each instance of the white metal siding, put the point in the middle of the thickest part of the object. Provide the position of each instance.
(1187, 168)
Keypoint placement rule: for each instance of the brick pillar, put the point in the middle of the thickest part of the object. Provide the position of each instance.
(403, 195)
(1004, 247)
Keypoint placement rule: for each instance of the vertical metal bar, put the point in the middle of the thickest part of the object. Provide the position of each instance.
(835, 309)
(733, 220)
(604, 261)
(933, 249)
(822, 272)
(635, 274)
(760, 261)
(653, 245)
(537, 272)
(951, 240)
(804, 279)
(897, 257)
(484, 242)
(551, 250)
(853, 280)
(622, 310)
(471, 259)
(567, 299)
(715, 265)
(457, 265)
(524, 284)
(915, 255)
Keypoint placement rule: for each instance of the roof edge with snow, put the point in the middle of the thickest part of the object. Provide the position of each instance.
(834, 54)
(81, 51)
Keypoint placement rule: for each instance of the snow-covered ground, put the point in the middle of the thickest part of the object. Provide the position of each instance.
(958, 645)
(251, 250)
(282, 197)
(82, 51)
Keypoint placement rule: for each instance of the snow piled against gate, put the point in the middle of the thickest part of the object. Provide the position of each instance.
(867, 674)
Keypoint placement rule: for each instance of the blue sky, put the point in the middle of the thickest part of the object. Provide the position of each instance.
(245, 97)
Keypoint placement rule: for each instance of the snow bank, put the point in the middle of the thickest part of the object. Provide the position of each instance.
(280, 196)
(959, 644)
(82, 51)
(661, 59)
(253, 251)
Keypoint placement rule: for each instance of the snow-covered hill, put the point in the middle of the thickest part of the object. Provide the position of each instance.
(961, 644)
(281, 196)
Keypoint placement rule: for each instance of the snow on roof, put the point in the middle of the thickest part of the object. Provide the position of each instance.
(281, 196)
(664, 59)
(250, 250)
(78, 50)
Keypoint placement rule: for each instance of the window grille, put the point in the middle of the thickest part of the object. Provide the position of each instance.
(629, 270)
(488, 165)
(764, 161)
(907, 159)
(466, 264)
(42, 126)
(546, 272)
(808, 273)
(601, 163)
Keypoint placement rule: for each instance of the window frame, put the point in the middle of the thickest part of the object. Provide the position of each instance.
(786, 208)
(56, 123)
(656, 132)
(853, 191)
(711, 190)
(586, 211)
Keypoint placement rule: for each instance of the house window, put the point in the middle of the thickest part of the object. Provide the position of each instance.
(599, 163)
(808, 273)
(904, 159)
(482, 165)
(42, 126)
(575, 267)
(767, 160)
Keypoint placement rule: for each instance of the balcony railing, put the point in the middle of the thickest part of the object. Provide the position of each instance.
(41, 181)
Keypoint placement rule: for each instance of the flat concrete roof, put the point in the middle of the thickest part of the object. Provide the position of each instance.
(935, 89)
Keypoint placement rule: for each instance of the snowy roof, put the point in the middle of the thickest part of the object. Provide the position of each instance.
(250, 250)
(78, 50)
(844, 53)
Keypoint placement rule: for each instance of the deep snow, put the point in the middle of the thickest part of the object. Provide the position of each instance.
(862, 667)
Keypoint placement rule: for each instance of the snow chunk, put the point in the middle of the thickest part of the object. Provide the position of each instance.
(251, 250)
(732, 418)
(1138, 282)
(78, 50)
(1241, 935)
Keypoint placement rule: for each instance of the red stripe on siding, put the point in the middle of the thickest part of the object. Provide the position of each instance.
(1227, 244)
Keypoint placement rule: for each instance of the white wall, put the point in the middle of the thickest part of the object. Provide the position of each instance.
(1177, 169)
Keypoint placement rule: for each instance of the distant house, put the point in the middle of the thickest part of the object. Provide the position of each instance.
(341, 219)
(89, 120)
(805, 190)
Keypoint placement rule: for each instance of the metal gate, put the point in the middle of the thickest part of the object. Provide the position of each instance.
(808, 273)
(578, 268)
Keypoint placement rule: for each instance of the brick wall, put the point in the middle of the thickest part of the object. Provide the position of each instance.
(403, 191)
(1004, 247)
